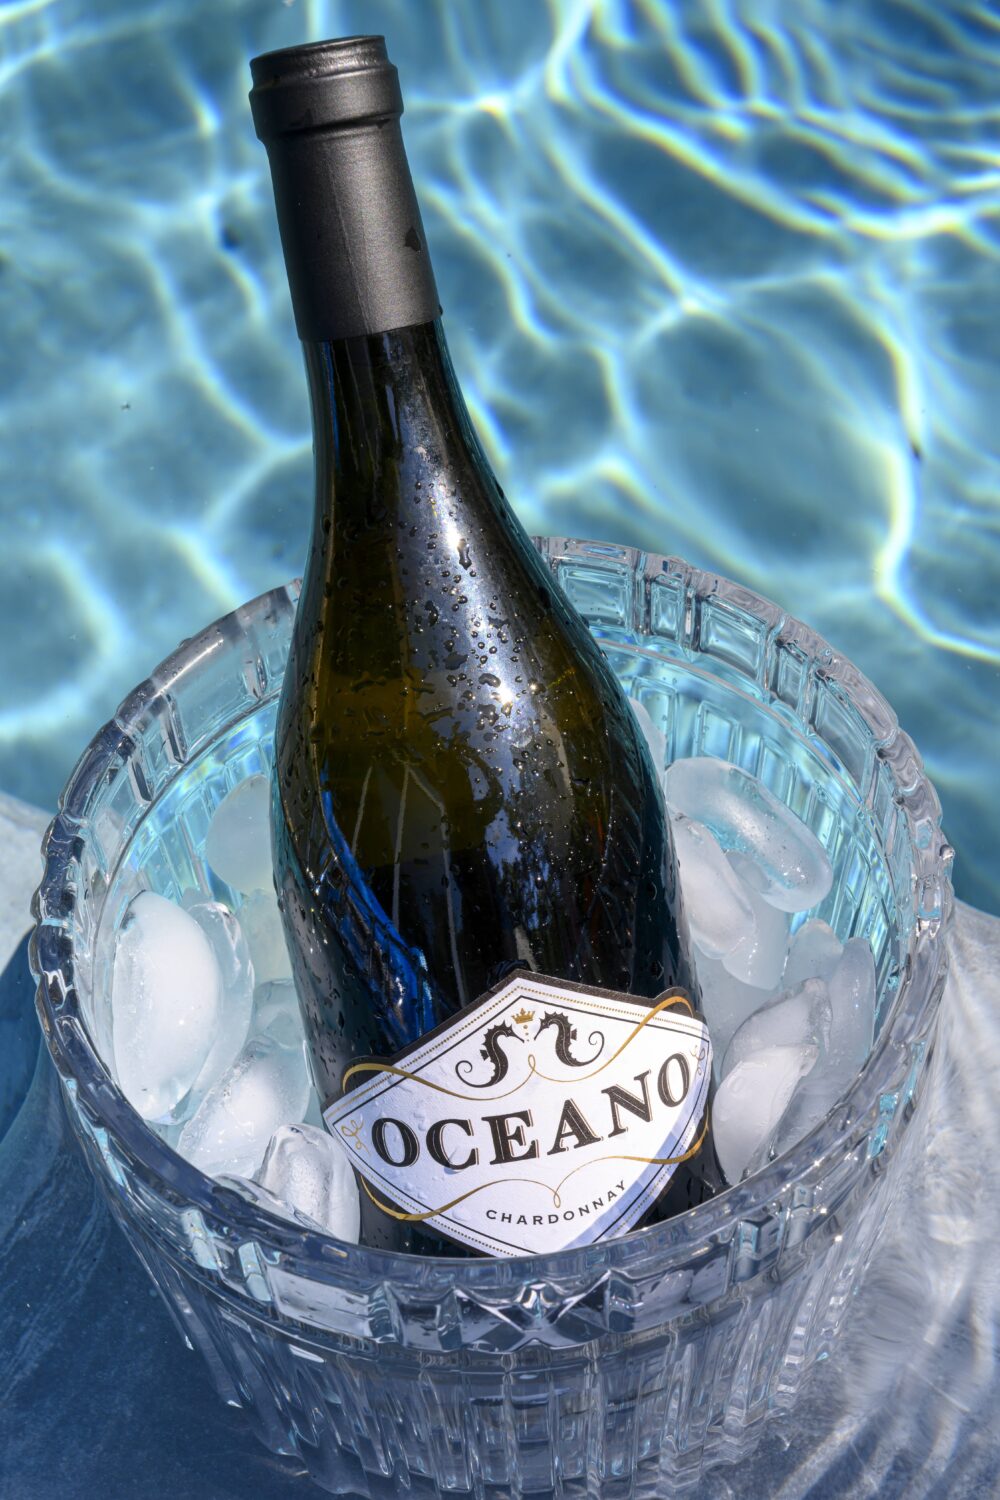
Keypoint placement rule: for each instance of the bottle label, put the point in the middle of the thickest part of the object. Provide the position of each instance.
(545, 1115)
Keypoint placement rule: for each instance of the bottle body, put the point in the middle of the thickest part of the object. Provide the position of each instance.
(461, 795)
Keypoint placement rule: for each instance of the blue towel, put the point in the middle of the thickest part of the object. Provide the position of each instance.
(101, 1400)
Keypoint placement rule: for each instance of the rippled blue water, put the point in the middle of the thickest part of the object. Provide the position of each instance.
(722, 277)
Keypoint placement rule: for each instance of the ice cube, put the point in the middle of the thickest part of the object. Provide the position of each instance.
(267, 1086)
(314, 1112)
(726, 1003)
(851, 989)
(852, 1003)
(810, 1103)
(276, 1012)
(793, 1020)
(166, 1000)
(745, 816)
(248, 1188)
(311, 1172)
(236, 973)
(717, 905)
(813, 953)
(655, 738)
(751, 1100)
(238, 845)
(758, 958)
(261, 922)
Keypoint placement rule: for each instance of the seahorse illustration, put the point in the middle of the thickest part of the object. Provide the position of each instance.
(565, 1033)
(490, 1050)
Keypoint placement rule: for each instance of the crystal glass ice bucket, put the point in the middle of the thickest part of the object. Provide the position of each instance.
(619, 1369)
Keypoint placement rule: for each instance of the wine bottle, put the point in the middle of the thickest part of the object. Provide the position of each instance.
(471, 855)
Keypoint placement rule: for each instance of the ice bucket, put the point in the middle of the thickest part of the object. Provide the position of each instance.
(623, 1368)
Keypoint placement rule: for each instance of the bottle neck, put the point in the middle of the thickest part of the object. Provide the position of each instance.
(392, 437)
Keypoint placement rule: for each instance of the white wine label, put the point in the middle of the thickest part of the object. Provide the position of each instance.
(544, 1115)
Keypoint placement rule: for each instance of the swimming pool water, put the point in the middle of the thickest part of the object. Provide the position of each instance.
(721, 277)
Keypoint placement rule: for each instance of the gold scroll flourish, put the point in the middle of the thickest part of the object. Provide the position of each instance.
(377, 1067)
(664, 1004)
(430, 1213)
(649, 1161)
(380, 1067)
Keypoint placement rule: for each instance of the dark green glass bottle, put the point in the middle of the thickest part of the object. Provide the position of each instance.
(462, 796)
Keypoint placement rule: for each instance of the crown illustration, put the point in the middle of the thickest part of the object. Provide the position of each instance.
(523, 1017)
